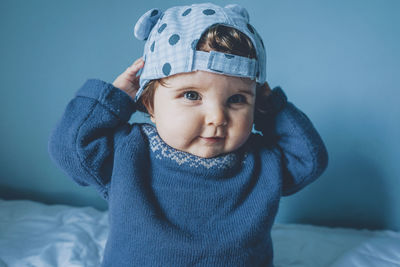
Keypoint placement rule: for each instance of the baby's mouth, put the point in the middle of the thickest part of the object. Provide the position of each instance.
(213, 139)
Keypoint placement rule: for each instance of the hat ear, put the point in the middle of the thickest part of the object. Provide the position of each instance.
(146, 23)
(239, 10)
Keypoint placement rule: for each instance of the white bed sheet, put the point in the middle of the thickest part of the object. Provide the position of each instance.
(306, 245)
(34, 234)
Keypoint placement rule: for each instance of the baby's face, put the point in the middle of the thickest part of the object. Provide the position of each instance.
(203, 113)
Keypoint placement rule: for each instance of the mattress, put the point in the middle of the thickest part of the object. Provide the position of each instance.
(35, 234)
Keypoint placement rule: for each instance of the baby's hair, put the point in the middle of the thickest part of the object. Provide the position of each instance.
(218, 38)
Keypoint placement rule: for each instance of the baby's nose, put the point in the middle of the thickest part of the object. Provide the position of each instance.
(216, 115)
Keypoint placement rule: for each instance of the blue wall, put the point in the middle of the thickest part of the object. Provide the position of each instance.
(337, 60)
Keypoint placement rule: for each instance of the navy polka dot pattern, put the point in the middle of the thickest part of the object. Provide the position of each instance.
(194, 44)
(209, 12)
(174, 39)
(173, 36)
(187, 11)
(161, 29)
(154, 13)
(166, 69)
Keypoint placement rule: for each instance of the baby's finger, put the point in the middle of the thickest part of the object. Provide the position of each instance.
(135, 67)
(137, 60)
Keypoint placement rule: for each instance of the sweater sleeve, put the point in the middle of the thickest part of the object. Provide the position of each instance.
(94, 122)
(304, 154)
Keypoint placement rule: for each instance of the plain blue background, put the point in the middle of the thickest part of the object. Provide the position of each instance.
(338, 61)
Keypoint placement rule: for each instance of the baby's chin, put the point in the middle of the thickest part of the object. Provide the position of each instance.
(208, 153)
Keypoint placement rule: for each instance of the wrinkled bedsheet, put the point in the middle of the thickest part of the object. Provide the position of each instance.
(35, 234)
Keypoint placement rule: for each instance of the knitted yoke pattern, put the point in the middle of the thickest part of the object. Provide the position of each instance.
(171, 208)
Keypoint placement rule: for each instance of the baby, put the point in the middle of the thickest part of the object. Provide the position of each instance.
(198, 188)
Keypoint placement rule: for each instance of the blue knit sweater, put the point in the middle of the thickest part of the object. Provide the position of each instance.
(171, 208)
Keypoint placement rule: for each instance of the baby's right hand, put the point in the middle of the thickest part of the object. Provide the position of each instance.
(128, 81)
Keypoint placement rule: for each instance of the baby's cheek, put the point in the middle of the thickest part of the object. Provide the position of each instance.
(189, 129)
(181, 130)
(245, 120)
(243, 128)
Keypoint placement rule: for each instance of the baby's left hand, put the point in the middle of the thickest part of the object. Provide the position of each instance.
(264, 90)
(262, 93)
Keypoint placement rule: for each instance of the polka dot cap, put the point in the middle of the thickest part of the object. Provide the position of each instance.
(171, 38)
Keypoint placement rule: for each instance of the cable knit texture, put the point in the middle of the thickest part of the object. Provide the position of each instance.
(171, 208)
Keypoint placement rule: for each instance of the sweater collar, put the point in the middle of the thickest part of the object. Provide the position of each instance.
(219, 165)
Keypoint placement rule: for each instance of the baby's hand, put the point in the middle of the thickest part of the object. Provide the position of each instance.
(264, 90)
(262, 94)
(128, 81)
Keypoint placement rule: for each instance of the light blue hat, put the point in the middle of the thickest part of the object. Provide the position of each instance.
(171, 38)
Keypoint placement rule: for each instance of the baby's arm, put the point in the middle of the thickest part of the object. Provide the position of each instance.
(94, 122)
(304, 154)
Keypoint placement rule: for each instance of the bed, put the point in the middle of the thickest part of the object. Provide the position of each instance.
(35, 234)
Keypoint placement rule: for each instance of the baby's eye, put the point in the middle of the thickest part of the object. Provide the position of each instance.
(191, 95)
(235, 99)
